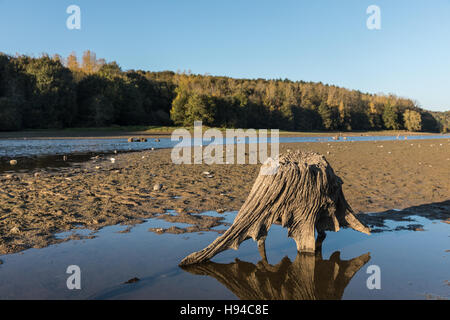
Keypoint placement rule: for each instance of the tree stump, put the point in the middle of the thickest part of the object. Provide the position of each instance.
(300, 191)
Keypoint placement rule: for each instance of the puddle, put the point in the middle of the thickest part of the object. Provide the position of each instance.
(413, 264)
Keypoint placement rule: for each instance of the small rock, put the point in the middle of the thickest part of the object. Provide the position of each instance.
(156, 230)
(134, 280)
(13, 162)
(15, 230)
(220, 210)
(206, 173)
(157, 187)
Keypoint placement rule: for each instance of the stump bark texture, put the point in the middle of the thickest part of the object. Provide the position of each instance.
(299, 190)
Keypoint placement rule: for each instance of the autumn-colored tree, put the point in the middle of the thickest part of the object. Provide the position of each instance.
(89, 62)
(72, 62)
(413, 120)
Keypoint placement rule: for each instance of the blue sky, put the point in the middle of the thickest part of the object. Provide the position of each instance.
(314, 40)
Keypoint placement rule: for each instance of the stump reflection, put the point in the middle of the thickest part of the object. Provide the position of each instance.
(308, 277)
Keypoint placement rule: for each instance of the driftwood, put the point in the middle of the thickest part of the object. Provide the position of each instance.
(300, 191)
(308, 277)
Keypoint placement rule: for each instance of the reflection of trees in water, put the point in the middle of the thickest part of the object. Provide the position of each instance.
(308, 277)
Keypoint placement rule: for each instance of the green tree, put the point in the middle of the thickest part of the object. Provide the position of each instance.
(53, 104)
(329, 116)
(200, 108)
(390, 117)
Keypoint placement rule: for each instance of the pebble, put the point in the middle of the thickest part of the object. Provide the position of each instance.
(15, 230)
(157, 187)
(13, 162)
(134, 280)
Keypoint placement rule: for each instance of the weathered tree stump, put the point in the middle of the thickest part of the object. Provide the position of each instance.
(300, 191)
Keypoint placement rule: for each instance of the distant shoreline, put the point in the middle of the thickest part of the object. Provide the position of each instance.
(126, 132)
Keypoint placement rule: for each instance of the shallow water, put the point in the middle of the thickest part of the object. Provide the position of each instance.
(56, 153)
(38, 147)
(414, 265)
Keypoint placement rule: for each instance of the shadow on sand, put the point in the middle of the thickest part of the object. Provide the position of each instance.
(431, 211)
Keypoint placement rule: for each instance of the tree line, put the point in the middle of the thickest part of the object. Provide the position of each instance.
(57, 92)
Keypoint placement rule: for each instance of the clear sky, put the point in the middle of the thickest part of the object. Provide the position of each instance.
(314, 40)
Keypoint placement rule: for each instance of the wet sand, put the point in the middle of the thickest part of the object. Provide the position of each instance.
(34, 206)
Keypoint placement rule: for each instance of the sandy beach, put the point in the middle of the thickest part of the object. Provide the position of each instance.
(377, 176)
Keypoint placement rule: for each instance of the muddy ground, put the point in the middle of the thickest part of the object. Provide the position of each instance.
(377, 176)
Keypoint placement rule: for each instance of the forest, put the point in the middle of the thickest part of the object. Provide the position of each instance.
(52, 92)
